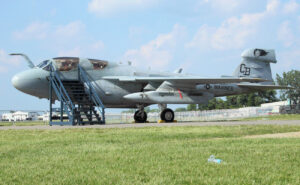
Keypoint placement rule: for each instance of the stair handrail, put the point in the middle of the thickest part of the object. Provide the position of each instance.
(83, 76)
(64, 94)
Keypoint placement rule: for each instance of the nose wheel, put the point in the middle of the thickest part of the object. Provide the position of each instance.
(167, 115)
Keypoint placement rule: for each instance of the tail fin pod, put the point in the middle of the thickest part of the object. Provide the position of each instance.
(256, 64)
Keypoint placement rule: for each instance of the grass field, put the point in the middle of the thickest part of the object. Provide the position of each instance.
(275, 117)
(23, 123)
(162, 155)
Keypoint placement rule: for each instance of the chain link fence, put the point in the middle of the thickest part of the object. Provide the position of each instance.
(209, 115)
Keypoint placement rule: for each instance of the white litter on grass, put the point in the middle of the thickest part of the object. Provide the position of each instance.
(212, 159)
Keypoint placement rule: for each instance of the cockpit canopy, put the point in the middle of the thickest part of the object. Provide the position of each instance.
(71, 63)
(44, 65)
(98, 64)
(66, 63)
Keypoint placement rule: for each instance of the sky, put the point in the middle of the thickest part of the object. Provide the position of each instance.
(204, 37)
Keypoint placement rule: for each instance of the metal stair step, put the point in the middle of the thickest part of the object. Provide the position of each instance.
(84, 112)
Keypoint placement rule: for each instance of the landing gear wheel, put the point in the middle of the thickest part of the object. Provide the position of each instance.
(167, 115)
(140, 116)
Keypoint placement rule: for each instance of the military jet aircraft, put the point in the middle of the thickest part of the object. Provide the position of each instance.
(124, 86)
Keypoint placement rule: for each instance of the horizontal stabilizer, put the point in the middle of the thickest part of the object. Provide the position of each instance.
(263, 87)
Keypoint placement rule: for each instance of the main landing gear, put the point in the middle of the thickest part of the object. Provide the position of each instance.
(166, 114)
(140, 116)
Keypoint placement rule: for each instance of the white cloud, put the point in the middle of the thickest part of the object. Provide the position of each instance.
(272, 6)
(108, 7)
(234, 32)
(67, 39)
(44, 30)
(7, 61)
(99, 45)
(290, 7)
(69, 30)
(202, 38)
(288, 60)
(93, 49)
(223, 5)
(285, 34)
(35, 30)
(158, 52)
(3, 69)
(74, 52)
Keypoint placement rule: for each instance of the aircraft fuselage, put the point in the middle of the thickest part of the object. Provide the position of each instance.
(35, 82)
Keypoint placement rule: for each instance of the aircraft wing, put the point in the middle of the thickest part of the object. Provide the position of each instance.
(263, 87)
(185, 80)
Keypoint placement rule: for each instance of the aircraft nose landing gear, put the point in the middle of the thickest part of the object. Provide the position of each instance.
(167, 115)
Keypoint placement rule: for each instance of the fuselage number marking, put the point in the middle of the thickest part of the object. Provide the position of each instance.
(245, 70)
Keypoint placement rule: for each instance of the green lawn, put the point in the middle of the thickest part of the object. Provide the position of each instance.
(274, 117)
(23, 123)
(162, 155)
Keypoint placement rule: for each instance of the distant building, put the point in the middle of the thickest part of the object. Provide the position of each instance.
(44, 117)
(20, 116)
(275, 106)
(7, 117)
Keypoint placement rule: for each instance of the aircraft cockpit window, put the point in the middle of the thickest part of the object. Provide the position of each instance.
(98, 64)
(66, 63)
(43, 64)
(47, 67)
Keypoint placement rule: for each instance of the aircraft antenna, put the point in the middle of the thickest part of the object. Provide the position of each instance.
(30, 63)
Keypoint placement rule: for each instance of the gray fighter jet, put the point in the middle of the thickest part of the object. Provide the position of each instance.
(124, 86)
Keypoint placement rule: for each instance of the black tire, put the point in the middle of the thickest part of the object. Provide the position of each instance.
(140, 116)
(167, 115)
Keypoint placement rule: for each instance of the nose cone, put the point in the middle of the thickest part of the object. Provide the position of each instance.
(17, 81)
(29, 81)
(14, 81)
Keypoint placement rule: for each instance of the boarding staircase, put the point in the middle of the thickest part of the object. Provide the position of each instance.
(78, 99)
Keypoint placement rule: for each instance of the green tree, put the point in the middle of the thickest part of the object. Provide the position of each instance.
(232, 102)
(128, 111)
(212, 104)
(147, 109)
(202, 107)
(154, 110)
(242, 100)
(237, 101)
(215, 103)
(180, 109)
(291, 78)
(191, 107)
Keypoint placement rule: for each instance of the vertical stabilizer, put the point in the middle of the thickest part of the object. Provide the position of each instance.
(256, 64)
